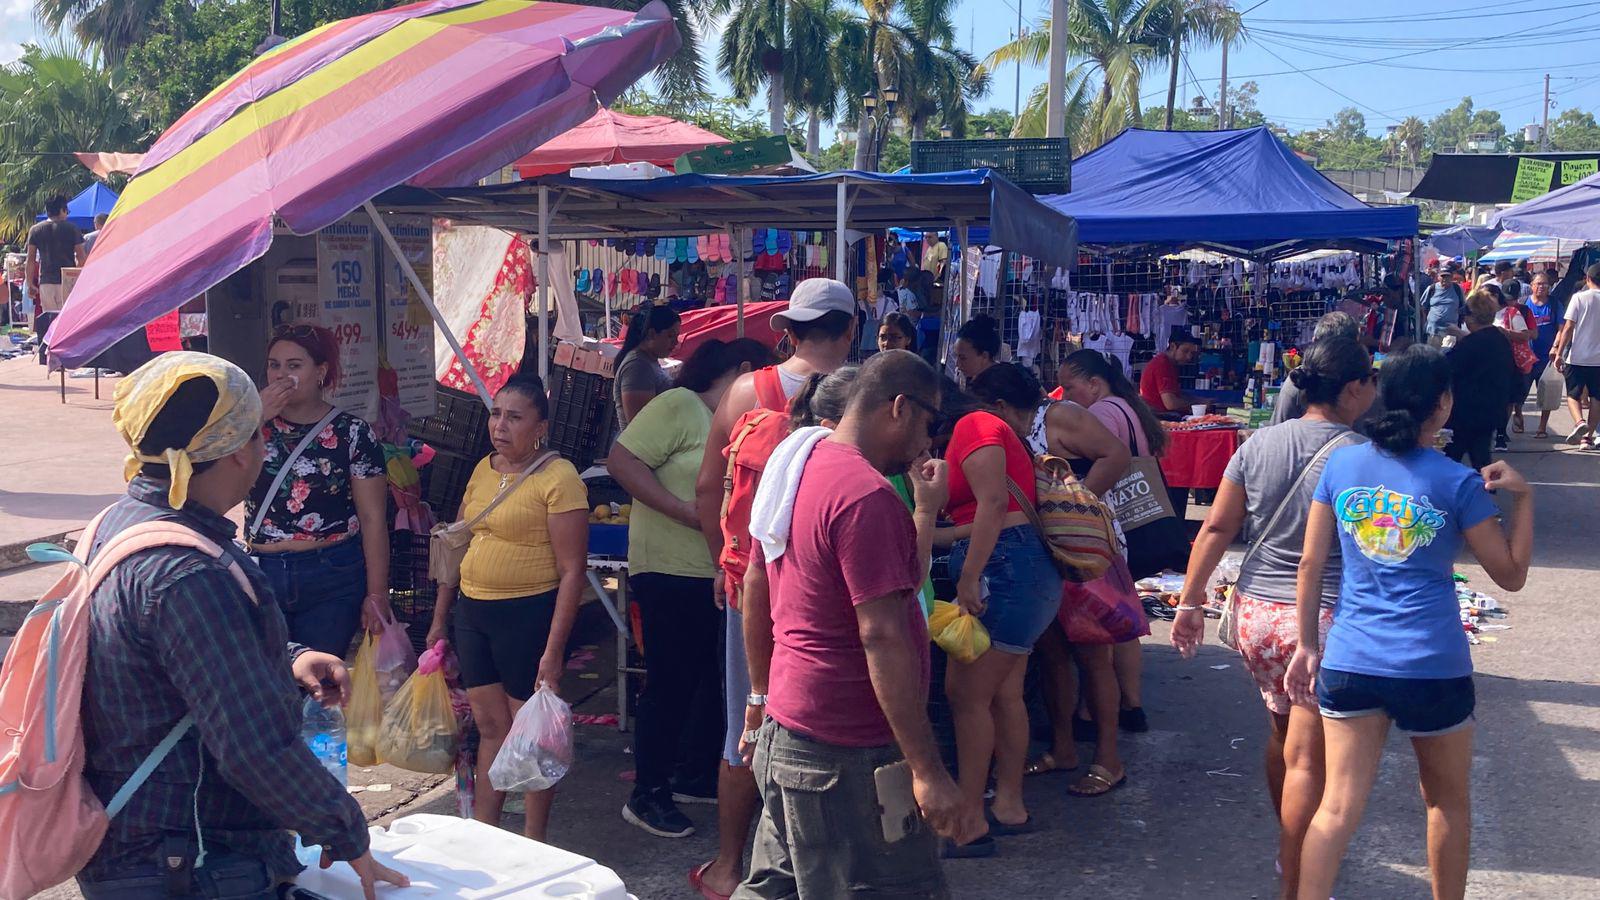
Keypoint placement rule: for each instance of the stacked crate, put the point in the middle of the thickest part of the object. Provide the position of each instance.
(582, 416)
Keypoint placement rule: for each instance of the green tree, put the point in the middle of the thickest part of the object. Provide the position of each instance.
(1408, 140)
(1450, 131)
(1242, 109)
(1574, 130)
(766, 42)
(108, 27)
(1195, 24)
(719, 115)
(54, 102)
(682, 77)
(1155, 119)
(1348, 125)
(995, 119)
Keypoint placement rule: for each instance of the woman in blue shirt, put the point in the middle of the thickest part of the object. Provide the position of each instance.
(1396, 651)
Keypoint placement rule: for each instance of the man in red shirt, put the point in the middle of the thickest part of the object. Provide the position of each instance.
(1158, 384)
(846, 759)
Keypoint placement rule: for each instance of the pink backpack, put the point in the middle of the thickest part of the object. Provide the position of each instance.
(51, 822)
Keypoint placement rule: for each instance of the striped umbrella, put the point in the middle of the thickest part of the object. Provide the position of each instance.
(1513, 246)
(437, 93)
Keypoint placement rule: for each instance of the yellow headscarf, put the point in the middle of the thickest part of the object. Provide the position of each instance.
(141, 396)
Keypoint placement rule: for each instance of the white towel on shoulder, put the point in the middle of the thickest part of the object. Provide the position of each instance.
(773, 511)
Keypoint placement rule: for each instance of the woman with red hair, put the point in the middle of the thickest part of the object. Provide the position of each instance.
(316, 520)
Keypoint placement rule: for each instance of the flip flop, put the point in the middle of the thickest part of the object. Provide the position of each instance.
(697, 880)
(1046, 764)
(1100, 778)
(1542, 435)
(998, 828)
(978, 849)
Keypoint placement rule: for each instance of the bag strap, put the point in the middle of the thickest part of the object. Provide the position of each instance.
(1294, 489)
(1028, 507)
(162, 533)
(283, 473)
(733, 458)
(147, 768)
(505, 492)
(769, 389)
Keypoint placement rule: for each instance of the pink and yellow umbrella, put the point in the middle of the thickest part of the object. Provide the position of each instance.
(435, 94)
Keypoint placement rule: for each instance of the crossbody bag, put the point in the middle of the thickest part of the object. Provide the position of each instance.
(283, 473)
(448, 542)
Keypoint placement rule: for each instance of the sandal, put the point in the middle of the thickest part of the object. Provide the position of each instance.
(1005, 829)
(1044, 765)
(1095, 782)
(697, 880)
(1542, 435)
(979, 849)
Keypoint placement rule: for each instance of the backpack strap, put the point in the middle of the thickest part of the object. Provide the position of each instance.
(147, 768)
(733, 457)
(769, 389)
(162, 533)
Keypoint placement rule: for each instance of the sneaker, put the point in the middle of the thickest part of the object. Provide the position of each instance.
(1578, 434)
(656, 814)
(1501, 444)
(694, 792)
(1590, 444)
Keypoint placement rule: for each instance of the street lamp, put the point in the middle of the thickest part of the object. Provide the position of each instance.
(946, 132)
(990, 133)
(877, 122)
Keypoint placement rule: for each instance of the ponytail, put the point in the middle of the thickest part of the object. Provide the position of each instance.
(1330, 364)
(1094, 364)
(822, 397)
(646, 320)
(1413, 385)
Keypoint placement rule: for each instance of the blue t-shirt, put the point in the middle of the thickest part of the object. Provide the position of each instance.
(1400, 522)
(1544, 318)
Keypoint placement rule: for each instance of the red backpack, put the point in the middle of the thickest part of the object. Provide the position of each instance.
(750, 444)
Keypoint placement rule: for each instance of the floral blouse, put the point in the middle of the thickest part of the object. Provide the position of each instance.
(316, 502)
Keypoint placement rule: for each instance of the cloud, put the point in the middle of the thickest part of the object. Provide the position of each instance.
(17, 27)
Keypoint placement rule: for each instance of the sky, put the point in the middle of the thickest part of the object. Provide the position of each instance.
(1388, 58)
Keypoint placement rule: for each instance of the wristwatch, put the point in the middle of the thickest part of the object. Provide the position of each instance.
(756, 700)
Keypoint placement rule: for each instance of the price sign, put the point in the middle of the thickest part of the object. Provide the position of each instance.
(1576, 170)
(1533, 179)
(407, 327)
(347, 298)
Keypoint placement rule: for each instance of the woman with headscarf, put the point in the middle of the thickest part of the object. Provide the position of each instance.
(317, 520)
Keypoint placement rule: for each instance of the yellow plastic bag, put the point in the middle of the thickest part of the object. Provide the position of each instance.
(419, 730)
(363, 718)
(957, 633)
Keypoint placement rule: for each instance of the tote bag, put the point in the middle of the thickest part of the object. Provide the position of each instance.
(1157, 538)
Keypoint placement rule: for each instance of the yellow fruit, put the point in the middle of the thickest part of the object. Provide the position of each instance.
(625, 509)
(601, 511)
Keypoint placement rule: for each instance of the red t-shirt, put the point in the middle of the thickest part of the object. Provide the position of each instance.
(851, 540)
(981, 429)
(1160, 376)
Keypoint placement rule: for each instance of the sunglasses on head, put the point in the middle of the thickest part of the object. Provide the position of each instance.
(295, 331)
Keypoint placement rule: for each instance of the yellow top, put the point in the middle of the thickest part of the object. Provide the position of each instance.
(510, 554)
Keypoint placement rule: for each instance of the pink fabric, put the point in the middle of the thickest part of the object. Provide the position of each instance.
(1110, 411)
(612, 137)
(482, 278)
(851, 541)
(722, 322)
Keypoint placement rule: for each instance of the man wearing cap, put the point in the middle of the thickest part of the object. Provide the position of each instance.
(1441, 305)
(820, 323)
(173, 635)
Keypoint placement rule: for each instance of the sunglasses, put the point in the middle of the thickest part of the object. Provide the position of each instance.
(936, 419)
(295, 331)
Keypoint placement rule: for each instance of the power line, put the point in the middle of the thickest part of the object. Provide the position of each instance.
(1329, 87)
(1415, 17)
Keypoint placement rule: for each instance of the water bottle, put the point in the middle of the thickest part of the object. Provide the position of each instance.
(323, 731)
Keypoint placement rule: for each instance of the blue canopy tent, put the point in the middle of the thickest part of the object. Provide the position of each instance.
(81, 210)
(1571, 213)
(1460, 240)
(1239, 192)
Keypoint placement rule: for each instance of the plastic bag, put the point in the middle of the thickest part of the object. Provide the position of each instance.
(1551, 389)
(363, 718)
(956, 632)
(419, 727)
(395, 660)
(538, 751)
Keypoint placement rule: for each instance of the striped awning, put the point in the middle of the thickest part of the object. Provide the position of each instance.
(1515, 247)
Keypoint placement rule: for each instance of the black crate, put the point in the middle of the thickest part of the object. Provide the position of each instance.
(444, 481)
(1037, 165)
(460, 423)
(582, 415)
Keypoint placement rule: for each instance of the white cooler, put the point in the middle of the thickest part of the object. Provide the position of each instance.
(449, 857)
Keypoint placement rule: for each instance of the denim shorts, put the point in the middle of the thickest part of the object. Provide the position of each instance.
(320, 592)
(1420, 707)
(1024, 588)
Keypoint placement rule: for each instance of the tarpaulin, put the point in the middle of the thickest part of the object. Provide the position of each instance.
(722, 322)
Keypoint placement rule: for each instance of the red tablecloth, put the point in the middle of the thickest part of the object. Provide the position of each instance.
(1196, 459)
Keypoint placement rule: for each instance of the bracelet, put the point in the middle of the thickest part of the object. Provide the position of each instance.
(1189, 608)
(755, 699)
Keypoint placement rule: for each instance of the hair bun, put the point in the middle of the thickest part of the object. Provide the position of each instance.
(1303, 378)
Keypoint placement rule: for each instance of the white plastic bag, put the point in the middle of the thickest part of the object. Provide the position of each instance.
(538, 751)
(1551, 389)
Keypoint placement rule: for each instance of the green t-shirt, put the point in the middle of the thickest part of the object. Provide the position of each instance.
(669, 436)
(902, 486)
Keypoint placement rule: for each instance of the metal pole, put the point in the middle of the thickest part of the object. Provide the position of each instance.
(1055, 114)
(839, 214)
(427, 300)
(1016, 103)
(1544, 129)
(741, 240)
(544, 283)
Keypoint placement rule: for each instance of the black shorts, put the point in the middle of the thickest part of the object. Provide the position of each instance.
(1583, 378)
(501, 641)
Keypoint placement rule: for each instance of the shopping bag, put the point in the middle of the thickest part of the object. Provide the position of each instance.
(419, 730)
(1551, 389)
(957, 632)
(363, 718)
(538, 751)
(394, 660)
(1155, 535)
(1104, 611)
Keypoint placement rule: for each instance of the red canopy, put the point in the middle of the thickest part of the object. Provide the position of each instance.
(612, 137)
(722, 322)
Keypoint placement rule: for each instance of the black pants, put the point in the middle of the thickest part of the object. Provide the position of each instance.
(1472, 443)
(680, 722)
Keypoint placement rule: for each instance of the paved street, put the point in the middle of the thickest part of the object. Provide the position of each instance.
(1193, 820)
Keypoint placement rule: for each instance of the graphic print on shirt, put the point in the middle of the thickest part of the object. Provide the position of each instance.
(1387, 526)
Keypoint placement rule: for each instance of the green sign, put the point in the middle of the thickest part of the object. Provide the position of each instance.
(733, 159)
(1533, 179)
(1576, 170)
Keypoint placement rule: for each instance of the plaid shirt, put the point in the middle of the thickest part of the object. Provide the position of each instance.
(171, 634)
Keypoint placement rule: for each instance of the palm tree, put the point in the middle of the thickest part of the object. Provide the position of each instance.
(1407, 139)
(757, 50)
(109, 26)
(1195, 24)
(37, 141)
(1113, 41)
(815, 77)
(682, 78)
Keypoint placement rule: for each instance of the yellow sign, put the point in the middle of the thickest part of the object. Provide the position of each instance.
(1576, 170)
(1533, 179)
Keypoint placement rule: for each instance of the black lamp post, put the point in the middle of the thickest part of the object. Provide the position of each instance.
(878, 122)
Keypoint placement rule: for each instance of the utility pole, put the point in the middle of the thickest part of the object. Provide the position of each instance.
(1544, 112)
(1055, 116)
(1222, 94)
(1016, 103)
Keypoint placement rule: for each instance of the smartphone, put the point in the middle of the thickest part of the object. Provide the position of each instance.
(897, 805)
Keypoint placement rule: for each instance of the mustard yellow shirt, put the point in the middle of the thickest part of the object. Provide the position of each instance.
(510, 554)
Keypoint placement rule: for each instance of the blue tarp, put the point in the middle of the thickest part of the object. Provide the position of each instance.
(82, 209)
(1241, 190)
(1459, 240)
(1571, 213)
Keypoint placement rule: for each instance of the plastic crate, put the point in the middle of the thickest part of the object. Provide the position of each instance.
(608, 540)
(1037, 165)
(444, 481)
(582, 415)
(460, 423)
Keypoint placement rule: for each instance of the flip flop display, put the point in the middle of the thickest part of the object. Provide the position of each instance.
(581, 281)
(785, 242)
(702, 247)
